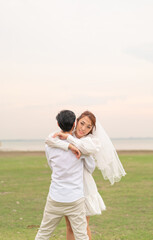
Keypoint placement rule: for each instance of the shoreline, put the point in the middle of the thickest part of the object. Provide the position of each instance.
(42, 153)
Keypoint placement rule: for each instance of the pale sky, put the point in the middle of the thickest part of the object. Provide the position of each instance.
(77, 55)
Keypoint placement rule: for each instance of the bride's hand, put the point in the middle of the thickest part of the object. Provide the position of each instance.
(75, 150)
(61, 135)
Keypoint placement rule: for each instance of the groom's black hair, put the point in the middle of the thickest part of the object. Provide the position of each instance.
(66, 119)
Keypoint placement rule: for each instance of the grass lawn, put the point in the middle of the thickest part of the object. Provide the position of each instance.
(24, 184)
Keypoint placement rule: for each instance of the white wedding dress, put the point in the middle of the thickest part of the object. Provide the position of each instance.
(100, 146)
(87, 145)
(93, 201)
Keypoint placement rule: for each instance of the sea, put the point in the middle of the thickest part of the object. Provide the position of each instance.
(38, 144)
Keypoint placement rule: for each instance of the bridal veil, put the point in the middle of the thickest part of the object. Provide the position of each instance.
(107, 159)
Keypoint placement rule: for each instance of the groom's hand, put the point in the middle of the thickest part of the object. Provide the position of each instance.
(75, 150)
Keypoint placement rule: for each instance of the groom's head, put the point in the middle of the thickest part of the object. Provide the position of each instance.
(66, 119)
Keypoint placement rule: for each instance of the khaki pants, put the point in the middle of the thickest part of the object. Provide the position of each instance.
(53, 213)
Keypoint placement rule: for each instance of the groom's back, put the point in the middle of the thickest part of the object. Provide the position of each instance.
(67, 175)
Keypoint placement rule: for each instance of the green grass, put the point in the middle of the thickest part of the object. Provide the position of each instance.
(24, 184)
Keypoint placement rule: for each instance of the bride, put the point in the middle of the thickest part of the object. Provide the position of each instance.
(91, 139)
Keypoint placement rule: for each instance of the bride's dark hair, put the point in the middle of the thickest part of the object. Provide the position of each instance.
(91, 116)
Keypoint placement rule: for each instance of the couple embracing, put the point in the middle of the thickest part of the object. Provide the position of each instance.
(72, 155)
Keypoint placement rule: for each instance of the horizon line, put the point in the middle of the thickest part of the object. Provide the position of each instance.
(42, 139)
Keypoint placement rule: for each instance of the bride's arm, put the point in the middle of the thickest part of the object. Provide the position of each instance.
(56, 142)
(87, 145)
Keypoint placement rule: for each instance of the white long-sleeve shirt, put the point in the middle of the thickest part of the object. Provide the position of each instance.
(87, 145)
(67, 174)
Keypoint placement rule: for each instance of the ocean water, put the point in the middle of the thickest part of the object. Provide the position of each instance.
(38, 144)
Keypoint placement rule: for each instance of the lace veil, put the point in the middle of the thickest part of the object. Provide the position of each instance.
(107, 159)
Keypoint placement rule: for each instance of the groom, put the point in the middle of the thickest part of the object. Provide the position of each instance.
(66, 197)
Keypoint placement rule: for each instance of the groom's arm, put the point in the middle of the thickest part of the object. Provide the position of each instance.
(89, 163)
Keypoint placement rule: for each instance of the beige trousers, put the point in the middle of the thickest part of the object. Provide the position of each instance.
(53, 213)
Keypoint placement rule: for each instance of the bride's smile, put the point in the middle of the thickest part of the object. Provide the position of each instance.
(84, 126)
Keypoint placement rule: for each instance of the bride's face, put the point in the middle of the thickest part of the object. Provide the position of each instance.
(84, 126)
